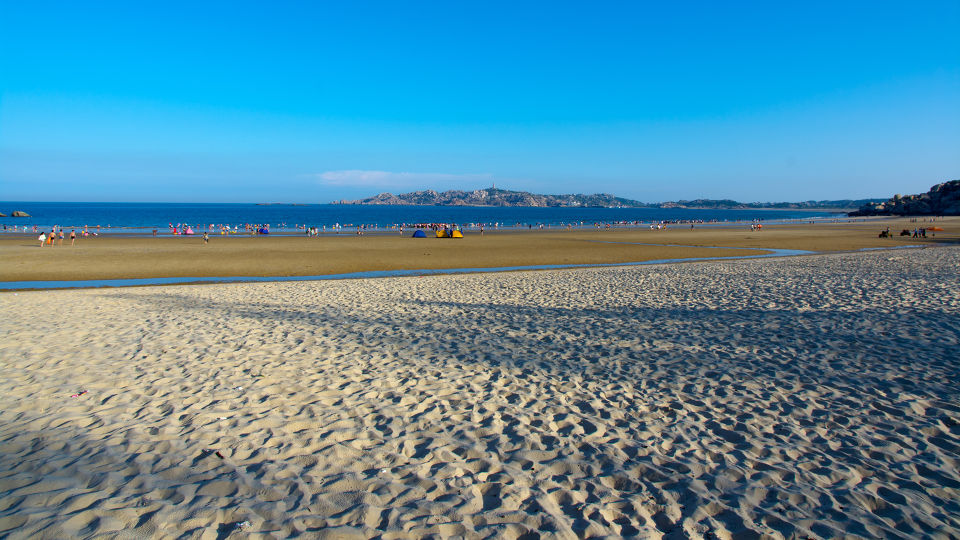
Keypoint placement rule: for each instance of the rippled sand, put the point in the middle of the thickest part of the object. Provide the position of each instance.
(811, 396)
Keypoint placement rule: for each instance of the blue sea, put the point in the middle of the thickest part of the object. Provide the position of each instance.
(144, 217)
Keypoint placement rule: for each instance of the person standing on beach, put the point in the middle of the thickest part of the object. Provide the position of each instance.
(206, 239)
(42, 238)
(73, 237)
(60, 237)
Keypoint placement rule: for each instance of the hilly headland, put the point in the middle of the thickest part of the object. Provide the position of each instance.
(502, 197)
(942, 200)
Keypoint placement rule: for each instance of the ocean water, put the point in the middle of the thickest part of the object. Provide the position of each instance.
(144, 217)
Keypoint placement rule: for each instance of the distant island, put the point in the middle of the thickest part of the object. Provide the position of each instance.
(942, 200)
(502, 197)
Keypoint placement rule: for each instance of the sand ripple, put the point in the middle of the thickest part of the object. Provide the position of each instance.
(812, 396)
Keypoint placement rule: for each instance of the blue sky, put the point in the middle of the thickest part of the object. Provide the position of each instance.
(317, 101)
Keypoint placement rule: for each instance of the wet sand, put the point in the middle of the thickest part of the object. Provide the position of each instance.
(116, 257)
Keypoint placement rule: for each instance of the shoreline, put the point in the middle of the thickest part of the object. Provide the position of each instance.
(348, 229)
(112, 257)
(45, 215)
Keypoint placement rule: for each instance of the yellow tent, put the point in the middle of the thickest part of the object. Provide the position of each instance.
(456, 234)
(442, 234)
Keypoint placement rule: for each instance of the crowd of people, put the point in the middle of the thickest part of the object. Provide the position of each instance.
(185, 229)
(258, 229)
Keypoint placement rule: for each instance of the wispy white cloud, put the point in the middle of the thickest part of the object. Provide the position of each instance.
(387, 178)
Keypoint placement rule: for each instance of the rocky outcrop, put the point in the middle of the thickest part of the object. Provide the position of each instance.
(2, 214)
(942, 200)
(497, 197)
(19, 213)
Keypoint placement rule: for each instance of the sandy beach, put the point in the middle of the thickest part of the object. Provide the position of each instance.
(810, 396)
(119, 256)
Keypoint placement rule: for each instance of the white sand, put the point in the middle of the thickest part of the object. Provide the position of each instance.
(814, 396)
